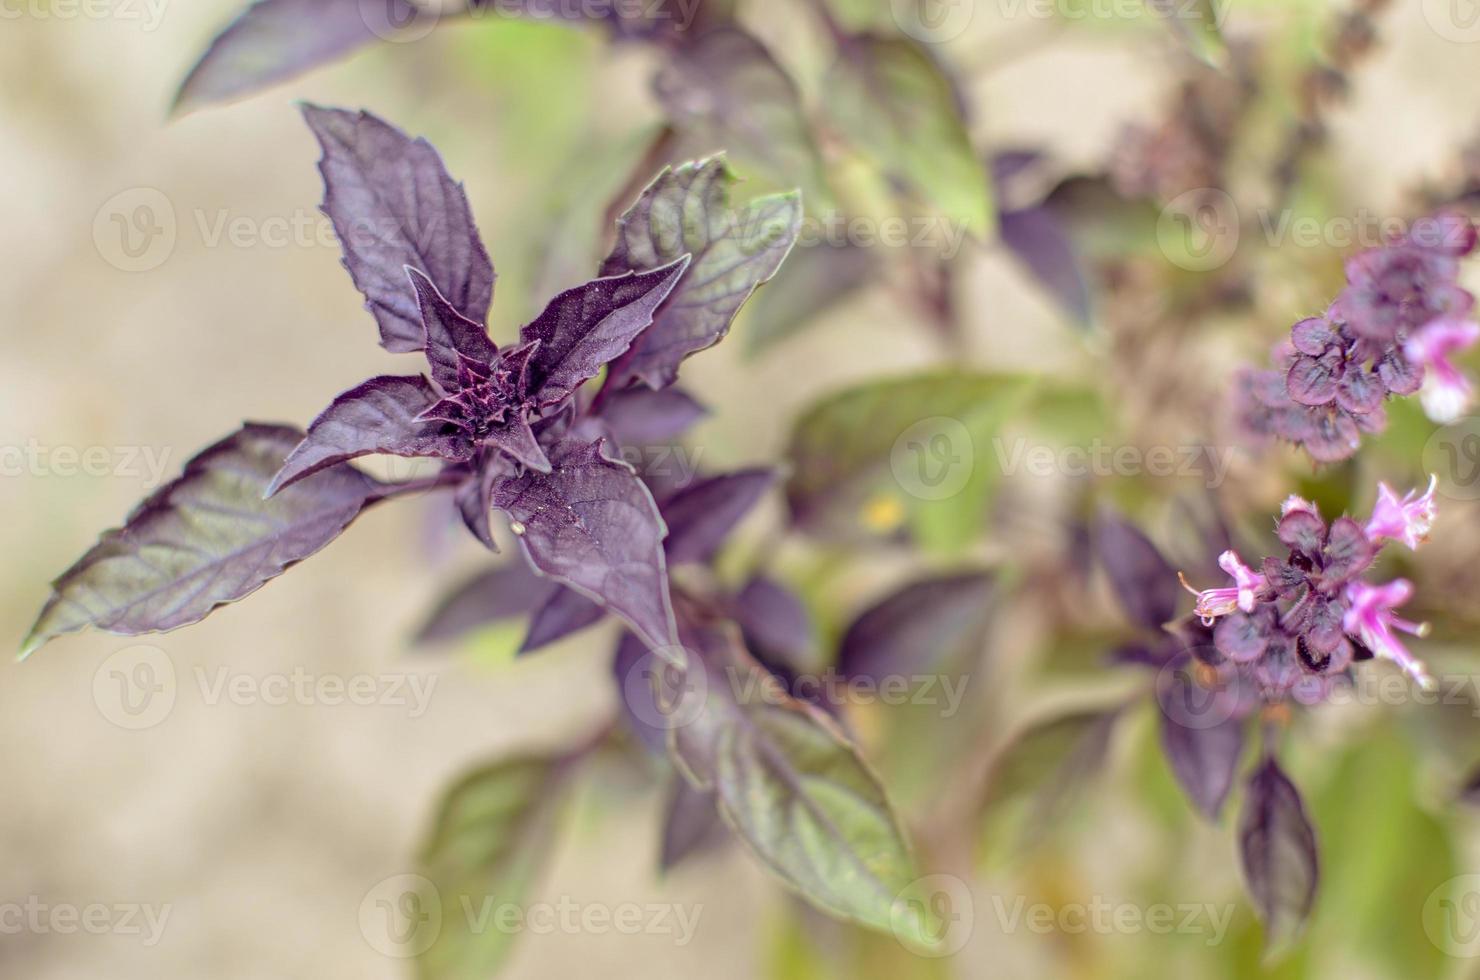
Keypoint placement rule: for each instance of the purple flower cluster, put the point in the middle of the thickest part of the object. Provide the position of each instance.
(1391, 331)
(1294, 626)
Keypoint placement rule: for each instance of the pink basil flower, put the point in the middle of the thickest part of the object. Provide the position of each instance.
(1446, 391)
(1369, 617)
(1244, 594)
(1408, 520)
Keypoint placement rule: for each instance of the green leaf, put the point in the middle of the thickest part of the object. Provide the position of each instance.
(793, 787)
(914, 451)
(725, 92)
(489, 840)
(892, 100)
(205, 539)
(1037, 776)
(686, 211)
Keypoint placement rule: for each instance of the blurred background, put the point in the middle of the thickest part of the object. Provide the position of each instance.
(261, 830)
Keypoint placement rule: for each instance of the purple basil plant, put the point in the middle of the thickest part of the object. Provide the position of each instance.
(1392, 331)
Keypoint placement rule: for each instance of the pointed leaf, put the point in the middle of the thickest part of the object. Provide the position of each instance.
(892, 101)
(1204, 756)
(450, 337)
(919, 627)
(506, 592)
(1038, 775)
(378, 416)
(777, 625)
(1144, 582)
(1277, 849)
(564, 613)
(584, 328)
(274, 40)
(393, 204)
(1038, 239)
(703, 514)
(205, 539)
(687, 211)
(474, 497)
(790, 783)
(590, 524)
(691, 823)
(518, 440)
(724, 90)
(491, 837)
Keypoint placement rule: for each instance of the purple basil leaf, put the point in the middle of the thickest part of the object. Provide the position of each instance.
(1038, 239)
(687, 211)
(691, 824)
(518, 440)
(205, 539)
(632, 669)
(378, 416)
(777, 626)
(564, 613)
(724, 89)
(1277, 848)
(506, 592)
(451, 338)
(919, 627)
(274, 40)
(643, 417)
(393, 204)
(1143, 581)
(703, 514)
(584, 328)
(1204, 755)
(590, 524)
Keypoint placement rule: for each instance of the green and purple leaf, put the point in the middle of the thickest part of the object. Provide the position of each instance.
(919, 628)
(208, 538)
(686, 211)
